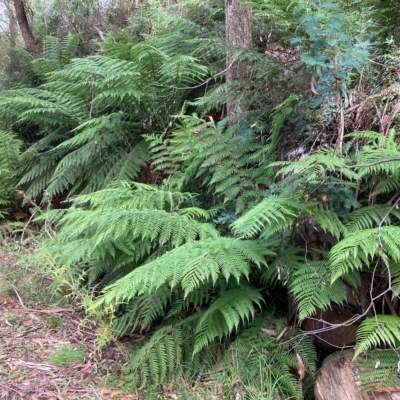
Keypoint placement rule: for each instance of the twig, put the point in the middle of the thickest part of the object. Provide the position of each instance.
(42, 367)
(95, 391)
(51, 311)
(19, 298)
(374, 163)
(10, 388)
(27, 224)
(29, 331)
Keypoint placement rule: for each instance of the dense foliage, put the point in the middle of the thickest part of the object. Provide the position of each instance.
(218, 237)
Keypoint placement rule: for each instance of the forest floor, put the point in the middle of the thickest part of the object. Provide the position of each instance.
(47, 346)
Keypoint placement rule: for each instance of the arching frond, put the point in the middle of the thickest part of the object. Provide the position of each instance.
(379, 368)
(269, 216)
(233, 308)
(311, 288)
(359, 249)
(188, 266)
(371, 216)
(380, 330)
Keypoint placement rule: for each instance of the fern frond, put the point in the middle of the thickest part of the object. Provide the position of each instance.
(380, 330)
(315, 168)
(359, 249)
(157, 360)
(222, 161)
(269, 216)
(328, 221)
(167, 355)
(370, 216)
(379, 369)
(142, 311)
(377, 161)
(311, 288)
(232, 309)
(9, 158)
(188, 266)
(127, 195)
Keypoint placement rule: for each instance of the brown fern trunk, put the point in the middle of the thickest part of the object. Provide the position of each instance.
(26, 31)
(238, 30)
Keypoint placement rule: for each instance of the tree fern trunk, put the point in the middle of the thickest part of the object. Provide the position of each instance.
(238, 31)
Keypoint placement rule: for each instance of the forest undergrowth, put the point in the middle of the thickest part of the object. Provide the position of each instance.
(48, 346)
(215, 191)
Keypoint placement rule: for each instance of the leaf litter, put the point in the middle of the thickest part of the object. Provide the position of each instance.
(33, 336)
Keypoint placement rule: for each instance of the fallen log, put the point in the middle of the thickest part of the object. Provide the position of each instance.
(338, 379)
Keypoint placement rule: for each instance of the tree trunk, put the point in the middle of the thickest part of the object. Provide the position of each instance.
(26, 31)
(238, 30)
(12, 36)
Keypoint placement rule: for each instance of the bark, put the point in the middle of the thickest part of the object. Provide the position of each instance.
(331, 339)
(12, 36)
(238, 31)
(337, 379)
(26, 31)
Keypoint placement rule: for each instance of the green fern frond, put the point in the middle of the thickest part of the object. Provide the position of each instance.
(379, 369)
(282, 264)
(377, 161)
(142, 311)
(394, 270)
(261, 362)
(232, 309)
(166, 355)
(380, 330)
(311, 288)
(371, 216)
(213, 154)
(279, 116)
(360, 248)
(328, 221)
(388, 185)
(127, 195)
(315, 167)
(188, 266)
(9, 158)
(158, 360)
(269, 216)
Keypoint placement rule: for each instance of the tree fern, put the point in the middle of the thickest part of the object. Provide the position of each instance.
(96, 109)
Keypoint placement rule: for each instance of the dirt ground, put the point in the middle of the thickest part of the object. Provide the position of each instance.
(47, 348)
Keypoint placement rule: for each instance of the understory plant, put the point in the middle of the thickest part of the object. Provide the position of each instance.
(9, 158)
(191, 263)
(203, 237)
